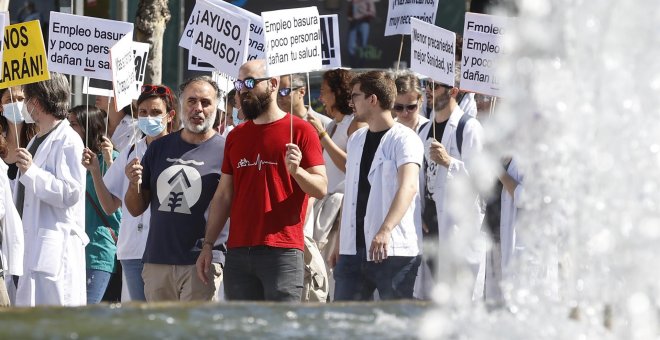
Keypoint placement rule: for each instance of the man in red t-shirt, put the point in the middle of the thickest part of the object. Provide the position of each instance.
(265, 182)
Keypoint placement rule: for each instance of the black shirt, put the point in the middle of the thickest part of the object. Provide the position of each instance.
(370, 146)
(429, 214)
(20, 195)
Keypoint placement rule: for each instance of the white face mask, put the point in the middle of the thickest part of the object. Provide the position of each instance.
(17, 112)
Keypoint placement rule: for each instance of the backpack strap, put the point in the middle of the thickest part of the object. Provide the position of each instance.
(459, 131)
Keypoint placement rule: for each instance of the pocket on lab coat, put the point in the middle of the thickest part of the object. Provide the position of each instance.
(50, 252)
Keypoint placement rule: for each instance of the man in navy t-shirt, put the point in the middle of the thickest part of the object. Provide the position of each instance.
(177, 178)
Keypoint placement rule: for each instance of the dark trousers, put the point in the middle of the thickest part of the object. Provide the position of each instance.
(264, 273)
(356, 279)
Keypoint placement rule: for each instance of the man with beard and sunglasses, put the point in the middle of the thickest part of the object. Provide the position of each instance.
(445, 161)
(176, 179)
(265, 184)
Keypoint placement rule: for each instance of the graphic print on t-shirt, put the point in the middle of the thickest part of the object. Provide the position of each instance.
(179, 188)
(258, 163)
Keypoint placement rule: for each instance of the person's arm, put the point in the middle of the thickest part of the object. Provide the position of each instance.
(219, 210)
(108, 201)
(62, 188)
(136, 202)
(509, 183)
(312, 180)
(407, 178)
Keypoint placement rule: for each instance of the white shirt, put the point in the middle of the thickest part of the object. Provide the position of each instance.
(400, 145)
(469, 105)
(125, 133)
(132, 238)
(340, 138)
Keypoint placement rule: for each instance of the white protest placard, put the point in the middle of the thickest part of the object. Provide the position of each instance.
(225, 82)
(122, 60)
(141, 56)
(256, 47)
(220, 37)
(330, 50)
(197, 64)
(293, 40)
(401, 11)
(432, 51)
(98, 87)
(482, 38)
(4, 21)
(80, 45)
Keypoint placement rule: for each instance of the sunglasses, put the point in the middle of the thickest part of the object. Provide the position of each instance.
(285, 91)
(401, 107)
(161, 90)
(248, 83)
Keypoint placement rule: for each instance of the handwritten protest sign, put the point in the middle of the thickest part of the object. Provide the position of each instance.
(24, 57)
(330, 51)
(401, 11)
(293, 40)
(80, 45)
(123, 72)
(256, 48)
(98, 87)
(220, 37)
(482, 39)
(432, 51)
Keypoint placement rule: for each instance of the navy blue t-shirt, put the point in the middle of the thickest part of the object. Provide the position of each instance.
(182, 178)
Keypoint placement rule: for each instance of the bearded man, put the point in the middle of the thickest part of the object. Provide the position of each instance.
(265, 184)
(176, 179)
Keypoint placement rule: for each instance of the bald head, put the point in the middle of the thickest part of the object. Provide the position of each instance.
(255, 68)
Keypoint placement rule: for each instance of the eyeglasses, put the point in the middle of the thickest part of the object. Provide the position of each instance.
(285, 91)
(248, 83)
(401, 107)
(353, 95)
(162, 90)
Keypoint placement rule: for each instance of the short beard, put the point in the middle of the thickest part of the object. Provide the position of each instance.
(253, 105)
(204, 128)
(441, 102)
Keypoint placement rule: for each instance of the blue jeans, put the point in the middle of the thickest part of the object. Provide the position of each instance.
(264, 273)
(133, 275)
(362, 29)
(97, 283)
(356, 279)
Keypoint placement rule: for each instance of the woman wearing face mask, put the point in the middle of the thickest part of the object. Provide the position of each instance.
(156, 111)
(15, 120)
(102, 228)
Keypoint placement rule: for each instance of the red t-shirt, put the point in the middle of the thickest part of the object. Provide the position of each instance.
(269, 207)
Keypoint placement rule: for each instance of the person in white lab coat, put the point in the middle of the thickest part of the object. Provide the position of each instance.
(11, 231)
(50, 196)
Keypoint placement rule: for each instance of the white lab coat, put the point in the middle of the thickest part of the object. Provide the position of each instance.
(12, 229)
(54, 223)
(460, 165)
(398, 146)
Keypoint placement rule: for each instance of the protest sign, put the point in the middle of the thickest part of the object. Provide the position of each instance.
(401, 11)
(24, 55)
(256, 48)
(293, 40)
(432, 51)
(482, 38)
(330, 51)
(141, 53)
(98, 87)
(224, 81)
(197, 64)
(80, 45)
(220, 37)
(122, 61)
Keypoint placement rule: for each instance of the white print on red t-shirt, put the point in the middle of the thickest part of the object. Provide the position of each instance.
(179, 188)
(244, 163)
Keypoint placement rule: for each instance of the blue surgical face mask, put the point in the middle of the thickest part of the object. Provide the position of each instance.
(234, 115)
(151, 126)
(14, 112)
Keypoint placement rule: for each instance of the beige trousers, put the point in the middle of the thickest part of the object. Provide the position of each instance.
(179, 283)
